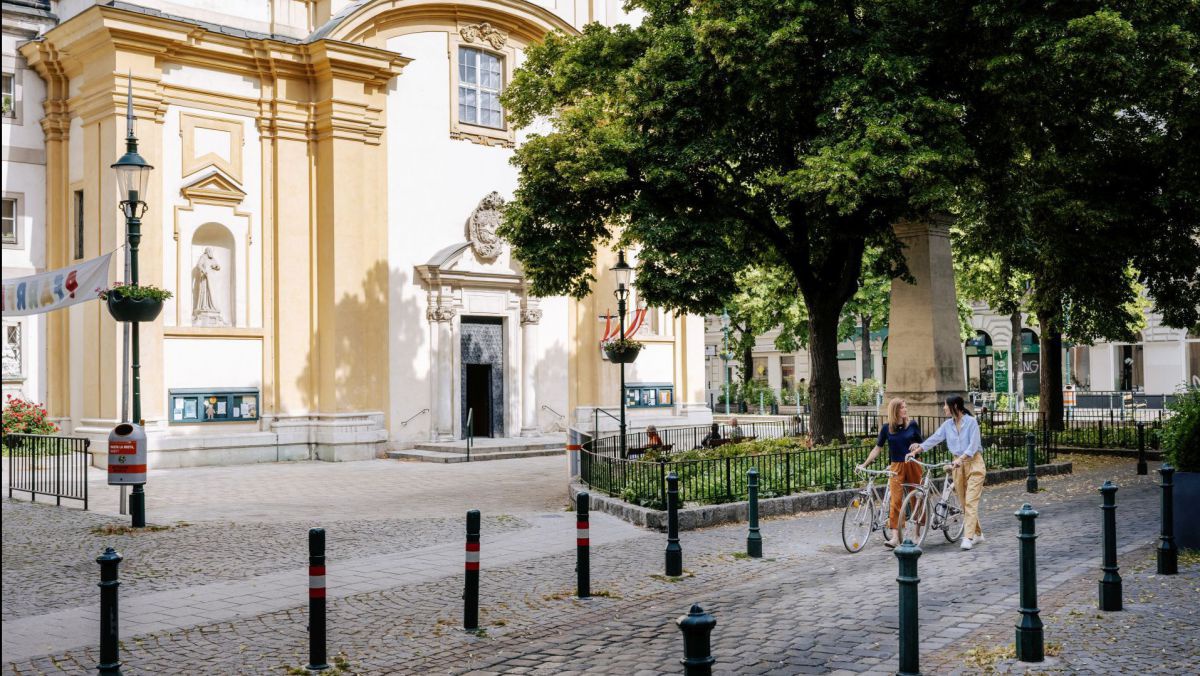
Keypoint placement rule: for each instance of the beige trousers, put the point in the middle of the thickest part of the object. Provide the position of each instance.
(968, 484)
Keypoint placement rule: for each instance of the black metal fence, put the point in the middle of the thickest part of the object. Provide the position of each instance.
(47, 465)
(794, 469)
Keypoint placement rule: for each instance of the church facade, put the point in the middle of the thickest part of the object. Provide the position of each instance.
(327, 186)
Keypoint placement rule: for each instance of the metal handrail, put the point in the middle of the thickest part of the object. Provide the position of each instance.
(470, 431)
(404, 423)
(547, 408)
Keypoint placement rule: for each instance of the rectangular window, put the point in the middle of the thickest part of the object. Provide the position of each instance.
(78, 224)
(12, 351)
(480, 81)
(8, 95)
(787, 367)
(8, 222)
(760, 369)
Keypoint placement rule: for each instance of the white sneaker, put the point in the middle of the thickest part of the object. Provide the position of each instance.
(967, 544)
(978, 539)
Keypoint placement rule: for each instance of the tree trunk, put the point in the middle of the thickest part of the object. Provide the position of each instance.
(868, 368)
(1050, 378)
(748, 373)
(825, 387)
(1015, 352)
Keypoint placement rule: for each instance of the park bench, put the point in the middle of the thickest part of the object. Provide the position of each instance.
(637, 453)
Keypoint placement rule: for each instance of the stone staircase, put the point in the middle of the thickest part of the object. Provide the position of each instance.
(483, 449)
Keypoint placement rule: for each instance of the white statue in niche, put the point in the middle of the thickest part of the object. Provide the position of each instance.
(204, 308)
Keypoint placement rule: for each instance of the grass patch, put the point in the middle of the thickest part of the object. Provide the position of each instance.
(339, 666)
(1189, 557)
(120, 529)
(673, 578)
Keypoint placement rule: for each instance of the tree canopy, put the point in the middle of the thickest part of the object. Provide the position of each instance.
(727, 135)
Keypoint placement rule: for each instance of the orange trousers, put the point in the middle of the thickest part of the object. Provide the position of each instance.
(905, 473)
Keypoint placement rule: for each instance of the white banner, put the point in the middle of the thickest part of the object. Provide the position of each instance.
(56, 289)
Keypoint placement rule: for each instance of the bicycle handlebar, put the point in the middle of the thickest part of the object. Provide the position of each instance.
(862, 470)
(928, 465)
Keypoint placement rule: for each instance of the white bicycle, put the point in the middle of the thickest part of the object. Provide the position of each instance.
(865, 515)
(924, 509)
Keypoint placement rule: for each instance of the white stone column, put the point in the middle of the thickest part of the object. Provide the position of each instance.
(443, 366)
(529, 353)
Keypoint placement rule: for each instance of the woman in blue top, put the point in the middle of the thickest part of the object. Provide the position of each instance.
(961, 434)
(899, 433)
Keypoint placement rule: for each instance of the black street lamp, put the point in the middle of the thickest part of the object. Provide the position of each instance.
(133, 175)
(624, 275)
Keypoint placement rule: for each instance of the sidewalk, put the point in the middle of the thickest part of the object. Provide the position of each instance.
(62, 630)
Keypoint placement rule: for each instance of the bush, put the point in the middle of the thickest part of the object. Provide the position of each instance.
(863, 394)
(751, 390)
(1180, 435)
(25, 417)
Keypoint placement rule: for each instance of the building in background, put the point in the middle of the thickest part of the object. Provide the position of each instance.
(22, 212)
(1161, 362)
(327, 185)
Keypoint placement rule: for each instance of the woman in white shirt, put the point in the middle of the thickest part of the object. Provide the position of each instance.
(961, 434)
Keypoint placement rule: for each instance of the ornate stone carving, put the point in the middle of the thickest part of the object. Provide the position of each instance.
(204, 307)
(440, 313)
(481, 226)
(531, 316)
(484, 32)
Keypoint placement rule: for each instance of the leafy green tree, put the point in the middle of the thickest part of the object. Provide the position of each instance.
(729, 135)
(1084, 124)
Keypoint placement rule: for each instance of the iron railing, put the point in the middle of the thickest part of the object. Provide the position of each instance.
(783, 472)
(48, 465)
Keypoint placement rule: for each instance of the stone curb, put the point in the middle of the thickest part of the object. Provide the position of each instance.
(1151, 455)
(703, 516)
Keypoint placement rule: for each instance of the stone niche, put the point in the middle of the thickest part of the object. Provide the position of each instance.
(213, 276)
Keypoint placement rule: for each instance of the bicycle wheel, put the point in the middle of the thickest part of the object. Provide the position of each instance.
(915, 512)
(952, 519)
(883, 515)
(856, 522)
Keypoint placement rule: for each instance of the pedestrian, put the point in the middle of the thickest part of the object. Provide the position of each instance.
(961, 434)
(735, 430)
(714, 437)
(899, 433)
(652, 438)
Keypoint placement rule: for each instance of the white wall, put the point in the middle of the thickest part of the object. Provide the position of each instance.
(1163, 367)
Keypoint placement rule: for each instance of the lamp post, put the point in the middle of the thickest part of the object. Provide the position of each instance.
(725, 356)
(133, 175)
(624, 275)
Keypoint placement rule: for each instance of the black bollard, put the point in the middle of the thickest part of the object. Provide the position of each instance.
(1110, 584)
(910, 656)
(1168, 552)
(471, 592)
(754, 539)
(110, 635)
(697, 627)
(1030, 456)
(317, 657)
(1030, 646)
(583, 561)
(674, 551)
(1142, 469)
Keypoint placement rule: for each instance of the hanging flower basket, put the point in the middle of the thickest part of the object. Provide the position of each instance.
(128, 303)
(622, 351)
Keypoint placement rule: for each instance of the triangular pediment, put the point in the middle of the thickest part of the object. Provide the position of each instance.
(214, 187)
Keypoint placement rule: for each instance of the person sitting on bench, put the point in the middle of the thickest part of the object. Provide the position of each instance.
(652, 438)
(714, 437)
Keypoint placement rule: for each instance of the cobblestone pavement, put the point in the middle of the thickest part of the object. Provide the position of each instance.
(370, 489)
(808, 608)
(49, 562)
(1158, 632)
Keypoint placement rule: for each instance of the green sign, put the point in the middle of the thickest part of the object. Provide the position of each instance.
(1000, 372)
(846, 355)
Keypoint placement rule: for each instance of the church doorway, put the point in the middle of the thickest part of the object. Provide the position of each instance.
(482, 376)
(479, 398)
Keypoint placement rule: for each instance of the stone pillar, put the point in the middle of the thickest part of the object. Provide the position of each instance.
(443, 365)
(529, 350)
(925, 359)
